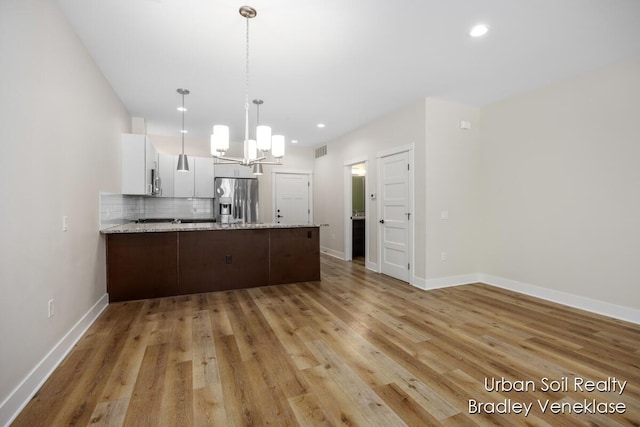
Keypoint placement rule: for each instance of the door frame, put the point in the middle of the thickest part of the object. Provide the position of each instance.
(348, 201)
(274, 189)
(409, 148)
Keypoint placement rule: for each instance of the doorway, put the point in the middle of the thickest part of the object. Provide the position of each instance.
(355, 205)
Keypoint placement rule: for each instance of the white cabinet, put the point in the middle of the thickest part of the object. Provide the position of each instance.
(203, 168)
(139, 157)
(197, 182)
(223, 170)
(183, 181)
(166, 170)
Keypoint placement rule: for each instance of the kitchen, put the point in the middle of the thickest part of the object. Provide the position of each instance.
(217, 243)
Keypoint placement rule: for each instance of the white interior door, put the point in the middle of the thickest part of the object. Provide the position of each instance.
(292, 199)
(394, 218)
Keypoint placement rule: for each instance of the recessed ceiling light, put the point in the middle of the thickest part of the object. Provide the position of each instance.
(184, 131)
(320, 125)
(479, 30)
(294, 141)
(181, 109)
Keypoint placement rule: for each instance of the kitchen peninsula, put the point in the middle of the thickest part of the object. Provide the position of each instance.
(165, 259)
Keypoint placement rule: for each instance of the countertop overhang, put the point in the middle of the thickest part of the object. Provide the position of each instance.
(133, 227)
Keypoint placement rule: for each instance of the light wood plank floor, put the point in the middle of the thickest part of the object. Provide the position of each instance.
(357, 348)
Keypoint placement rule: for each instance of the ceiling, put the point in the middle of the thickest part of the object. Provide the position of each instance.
(339, 62)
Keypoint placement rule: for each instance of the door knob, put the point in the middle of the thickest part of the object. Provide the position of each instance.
(279, 216)
(382, 221)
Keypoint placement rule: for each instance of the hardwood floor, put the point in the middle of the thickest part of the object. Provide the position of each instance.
(357, 348)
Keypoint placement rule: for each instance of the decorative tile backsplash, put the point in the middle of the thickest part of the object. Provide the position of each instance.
(116, 209)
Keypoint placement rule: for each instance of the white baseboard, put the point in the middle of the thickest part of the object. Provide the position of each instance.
(418, 282)
(372, 266)
(600, 307)
(583, 303)
(332, 252)
(445, 282)
(22, 394)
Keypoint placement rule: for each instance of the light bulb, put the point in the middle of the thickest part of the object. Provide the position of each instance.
(263, 137)
(277, 146)
(220, 138)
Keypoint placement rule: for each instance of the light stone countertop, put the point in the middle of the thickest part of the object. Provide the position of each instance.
(133, 227)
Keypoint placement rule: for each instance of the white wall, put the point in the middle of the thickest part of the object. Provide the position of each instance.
(400, 128)
(451, 164)
(60, 126)
(561, 186)
(197, 147)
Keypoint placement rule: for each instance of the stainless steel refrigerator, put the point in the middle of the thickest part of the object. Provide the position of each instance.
(236, 200)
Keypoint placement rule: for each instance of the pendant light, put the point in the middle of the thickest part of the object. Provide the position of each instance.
(255, 150)
(257, 169)
(183, 162)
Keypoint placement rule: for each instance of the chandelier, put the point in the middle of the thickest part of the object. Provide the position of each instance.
(256, 151)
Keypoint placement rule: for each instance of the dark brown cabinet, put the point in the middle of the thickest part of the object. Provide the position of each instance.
(222, 260)
(150, 265)
(294, 255)
(142, 265)
(357, 237)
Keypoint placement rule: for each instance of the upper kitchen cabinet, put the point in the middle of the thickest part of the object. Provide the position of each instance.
(166, 171)
(203, 177)
(142, 165)
(183, 181)
(197, 182)
(139, 158)
(223, 170)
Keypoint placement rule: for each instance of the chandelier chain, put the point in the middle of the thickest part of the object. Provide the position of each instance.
(182, 130)
(246, 92)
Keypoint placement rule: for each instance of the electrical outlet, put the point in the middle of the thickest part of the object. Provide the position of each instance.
(50, 308)
(443, 256)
